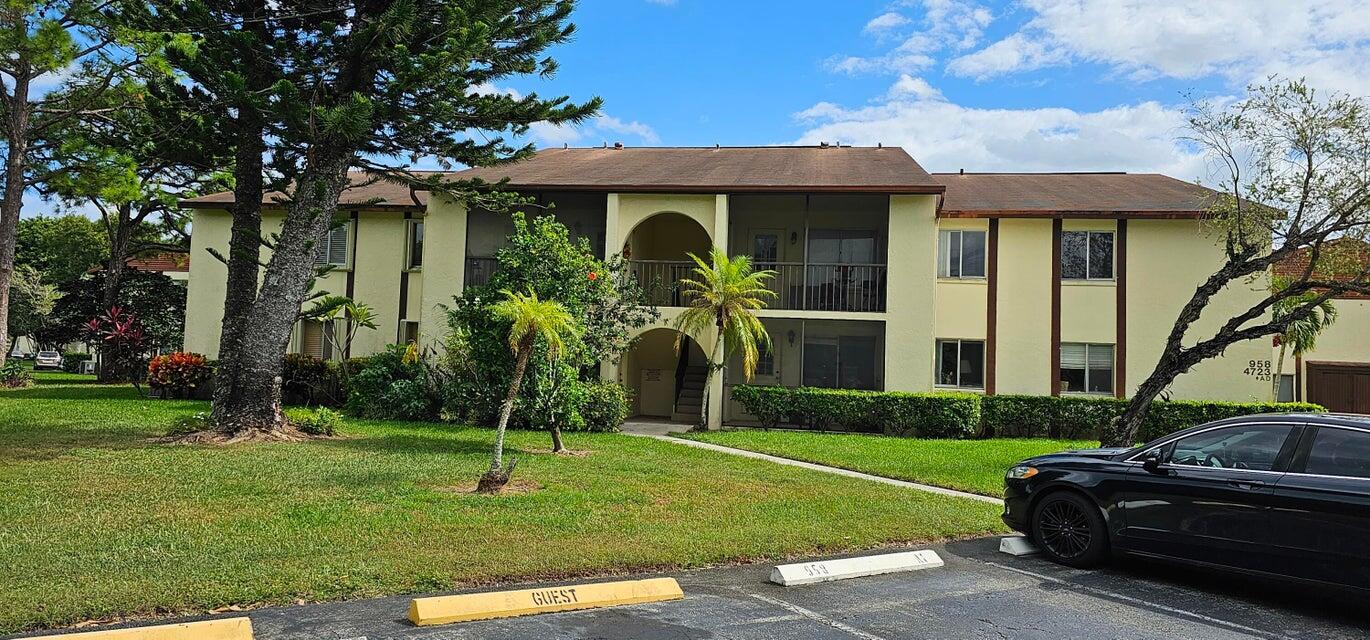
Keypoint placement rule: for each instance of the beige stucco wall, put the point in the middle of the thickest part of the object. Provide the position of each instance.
(378, 254)
(1023, 322)
(444, 267)
(960, 302)
(910, 318)
(1167, 259)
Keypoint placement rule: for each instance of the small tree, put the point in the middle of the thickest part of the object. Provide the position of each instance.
(122, 344)
(1294, 179)
(31, 303)
(723, 299)
(1301, 336)
(346, 316)
(531, 321)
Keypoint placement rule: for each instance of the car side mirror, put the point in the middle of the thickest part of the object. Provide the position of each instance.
(1152, 461)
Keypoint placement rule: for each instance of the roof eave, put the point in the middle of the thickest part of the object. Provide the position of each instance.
(1047, 214)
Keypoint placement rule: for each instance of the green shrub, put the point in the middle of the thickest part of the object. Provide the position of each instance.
(310, 381)
(1014, 416)
(392, 385)
(14, 375)
(319, 422)
(605, 406)
(179, 374)
(72, 360)
(923, 415)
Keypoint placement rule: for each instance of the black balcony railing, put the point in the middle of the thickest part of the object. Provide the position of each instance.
(797, 285)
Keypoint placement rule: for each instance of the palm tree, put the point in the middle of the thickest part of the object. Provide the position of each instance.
(531, 319)
(722, 299)
(1301, 336)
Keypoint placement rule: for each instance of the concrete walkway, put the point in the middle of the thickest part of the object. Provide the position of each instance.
(658, 430)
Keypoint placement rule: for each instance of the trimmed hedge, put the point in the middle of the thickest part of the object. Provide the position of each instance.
(72, 360)
(963, 415)
(1012, 416)
(896, 413)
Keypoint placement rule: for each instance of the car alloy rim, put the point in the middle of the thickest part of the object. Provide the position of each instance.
(1064, 529)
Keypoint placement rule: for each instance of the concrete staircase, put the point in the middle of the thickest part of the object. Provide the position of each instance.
(690, 403)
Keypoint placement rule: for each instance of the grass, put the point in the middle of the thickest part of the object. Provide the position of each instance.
(976, 466)
(96, 522)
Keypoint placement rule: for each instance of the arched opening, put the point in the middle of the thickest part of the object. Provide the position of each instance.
(658, 251)
(665, 384)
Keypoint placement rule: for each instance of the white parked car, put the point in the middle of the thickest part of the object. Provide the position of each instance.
(48, 360)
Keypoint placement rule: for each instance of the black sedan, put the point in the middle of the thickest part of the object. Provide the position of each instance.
(1278, 494)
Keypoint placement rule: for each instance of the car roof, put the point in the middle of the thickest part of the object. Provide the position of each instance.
(1331, 419)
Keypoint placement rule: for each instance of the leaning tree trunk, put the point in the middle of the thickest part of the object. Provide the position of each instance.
(255, 401)
(118, 256)
(16, 165)
(498, 476)
(1279, 372)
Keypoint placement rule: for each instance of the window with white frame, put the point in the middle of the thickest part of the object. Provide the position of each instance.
(765, 361)
(333, 250)
(1087, 255)
(409, 332)
(961, 363)
(1086, 368)
(961, 254)
(415, 244)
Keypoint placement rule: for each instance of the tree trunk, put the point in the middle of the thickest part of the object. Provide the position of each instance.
(255, 400)
(498, 476)
(118, 256)
(244, 258)
(715, 364)
(557, 445)
(16, 166)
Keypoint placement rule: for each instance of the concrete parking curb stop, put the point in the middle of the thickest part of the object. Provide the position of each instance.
(239, 628)
(509, 604)
(1017, 546)
(789, 575)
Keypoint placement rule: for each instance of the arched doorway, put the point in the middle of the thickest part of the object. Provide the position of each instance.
(658, 251)
(664, 384)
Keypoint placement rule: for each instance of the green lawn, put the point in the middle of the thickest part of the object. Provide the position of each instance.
(95, 521)
(969, 465)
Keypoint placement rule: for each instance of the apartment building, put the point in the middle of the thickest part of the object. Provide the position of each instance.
(888, 277)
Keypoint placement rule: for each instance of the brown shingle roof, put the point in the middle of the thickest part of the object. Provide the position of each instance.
(161, 262)
(717, 169)
(1296, 264)
(371, 194)
(1106, 195)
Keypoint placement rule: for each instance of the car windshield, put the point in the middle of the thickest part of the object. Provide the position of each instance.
(47, 354)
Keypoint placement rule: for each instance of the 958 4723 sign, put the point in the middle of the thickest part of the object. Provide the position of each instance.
(1258, 369)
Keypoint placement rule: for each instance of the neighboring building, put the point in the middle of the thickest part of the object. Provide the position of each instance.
(1335, 374)
(888, 277)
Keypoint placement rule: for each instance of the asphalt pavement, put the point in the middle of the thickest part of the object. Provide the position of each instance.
(980, 593)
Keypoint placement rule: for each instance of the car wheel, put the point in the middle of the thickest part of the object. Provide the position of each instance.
(1070, 530)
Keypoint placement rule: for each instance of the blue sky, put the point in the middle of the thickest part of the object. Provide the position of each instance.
(1032, 85)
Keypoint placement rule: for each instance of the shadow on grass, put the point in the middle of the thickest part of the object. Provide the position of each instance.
(56, 391)
(414, 443)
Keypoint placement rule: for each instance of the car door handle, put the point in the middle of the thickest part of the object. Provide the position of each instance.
(1243, 483)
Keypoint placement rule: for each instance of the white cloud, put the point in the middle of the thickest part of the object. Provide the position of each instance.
(944, 136)
(885, 22)
(664, 3)
(600, 129)
(1238, 39)
(944, 24)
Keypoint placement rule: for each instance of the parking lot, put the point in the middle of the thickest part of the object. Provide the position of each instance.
(980, 593)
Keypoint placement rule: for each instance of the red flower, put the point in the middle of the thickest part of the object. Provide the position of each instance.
(593, 276)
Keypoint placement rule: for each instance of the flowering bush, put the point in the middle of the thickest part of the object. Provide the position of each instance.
(14, 376)
(178, 374)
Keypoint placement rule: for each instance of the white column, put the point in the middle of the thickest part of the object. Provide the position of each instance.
(443, 271)
(720, 237)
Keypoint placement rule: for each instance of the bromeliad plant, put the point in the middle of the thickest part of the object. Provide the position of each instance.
(722, 299)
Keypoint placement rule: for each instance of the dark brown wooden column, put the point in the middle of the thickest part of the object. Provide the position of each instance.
(404, 281)
(1120, 346)
(1055, 351)
(991, 304)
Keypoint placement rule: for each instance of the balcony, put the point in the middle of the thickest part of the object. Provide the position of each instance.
(798, 286)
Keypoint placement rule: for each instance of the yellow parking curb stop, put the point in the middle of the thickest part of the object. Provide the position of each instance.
(239, 628)
(509, 604)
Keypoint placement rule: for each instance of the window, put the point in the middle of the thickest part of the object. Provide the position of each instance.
(409, 332)
(1286, 389)
(961, 363)
(333, 251)
(842, 246)
(415, 244)
(961, 254)
(1254, 447)
(1087, 255)
(846, 362)
(765, 362)
(1340, 452)
(766, 248)
(314, 337)
(1087, 368)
